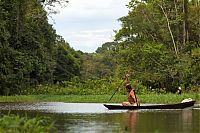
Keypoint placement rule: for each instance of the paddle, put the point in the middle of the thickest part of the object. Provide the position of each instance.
(116, 90)
(138, 104)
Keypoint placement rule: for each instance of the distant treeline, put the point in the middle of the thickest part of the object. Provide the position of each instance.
(158, 45)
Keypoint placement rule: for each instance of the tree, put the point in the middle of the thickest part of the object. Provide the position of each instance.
(27, 46)
(157, 41)
(50, 4)
(67, 62)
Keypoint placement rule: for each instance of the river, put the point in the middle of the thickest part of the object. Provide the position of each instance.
(95, 118)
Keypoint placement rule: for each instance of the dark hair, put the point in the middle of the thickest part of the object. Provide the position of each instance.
(128, 86)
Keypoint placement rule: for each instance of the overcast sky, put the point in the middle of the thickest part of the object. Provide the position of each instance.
(87, 24)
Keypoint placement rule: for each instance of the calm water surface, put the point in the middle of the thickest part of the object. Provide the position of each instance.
(95, 118)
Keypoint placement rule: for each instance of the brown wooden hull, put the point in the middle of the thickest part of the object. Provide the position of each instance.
(160, 106)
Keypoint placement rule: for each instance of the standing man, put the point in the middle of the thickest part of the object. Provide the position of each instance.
(179, 90)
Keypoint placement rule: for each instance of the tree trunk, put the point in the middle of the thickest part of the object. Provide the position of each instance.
(185, 22)
(20, 18)
(169, 28)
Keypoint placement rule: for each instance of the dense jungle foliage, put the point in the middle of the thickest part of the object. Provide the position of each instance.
(31, 51)
(158, 45)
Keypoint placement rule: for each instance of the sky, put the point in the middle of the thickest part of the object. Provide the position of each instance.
(87, 24)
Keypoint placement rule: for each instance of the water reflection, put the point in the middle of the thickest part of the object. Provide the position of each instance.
(58, 107)
(187, 120)
(130, 119)
(95, 118)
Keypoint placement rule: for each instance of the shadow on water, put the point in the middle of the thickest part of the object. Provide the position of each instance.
(90, 117)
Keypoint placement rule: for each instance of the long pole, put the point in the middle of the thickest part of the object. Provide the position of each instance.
(116, 90)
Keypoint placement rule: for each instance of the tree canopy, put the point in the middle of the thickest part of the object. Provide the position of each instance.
(158, 44)
(29, 47)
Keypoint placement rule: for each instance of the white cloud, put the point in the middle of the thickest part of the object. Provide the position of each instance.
(89, 41)
(87, 24)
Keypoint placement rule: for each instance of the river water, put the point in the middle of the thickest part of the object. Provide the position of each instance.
(95, 118)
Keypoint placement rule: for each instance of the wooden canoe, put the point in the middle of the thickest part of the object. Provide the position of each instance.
(157, 106)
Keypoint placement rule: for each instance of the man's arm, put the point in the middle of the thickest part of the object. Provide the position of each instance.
(126, 80)
(134, 97)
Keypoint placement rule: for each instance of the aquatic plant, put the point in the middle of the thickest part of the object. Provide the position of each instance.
(16, 124)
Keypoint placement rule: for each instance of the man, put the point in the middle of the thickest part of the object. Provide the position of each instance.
(179, 90)
(132, 99)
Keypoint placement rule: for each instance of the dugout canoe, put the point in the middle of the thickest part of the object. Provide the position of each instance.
(155, 106)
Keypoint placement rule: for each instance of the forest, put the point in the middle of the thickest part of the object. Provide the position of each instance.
(158, 44)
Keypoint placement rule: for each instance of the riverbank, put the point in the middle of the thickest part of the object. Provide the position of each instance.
(149, 98)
